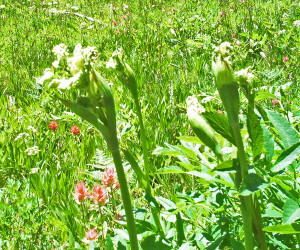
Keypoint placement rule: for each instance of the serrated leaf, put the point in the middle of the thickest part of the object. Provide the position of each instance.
(170, 170)
(287, 157)
(285, 130)
(291, 211)
(220, 124)
(255, 133)
(284, 229)
(252, 183)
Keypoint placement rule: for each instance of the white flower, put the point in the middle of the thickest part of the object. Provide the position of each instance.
(60, 50)
(245, 74)
(297, 23)
(47, 75)
(32, 151)
(281, 32)
(111, 63)
(263, 55)
(2, 6)
(21, 135)
(81, 58)
(75, 8)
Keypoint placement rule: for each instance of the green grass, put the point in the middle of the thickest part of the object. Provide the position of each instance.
(171, 54)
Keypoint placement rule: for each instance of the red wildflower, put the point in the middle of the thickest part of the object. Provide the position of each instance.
(99, 195)
(119, 217)
(81, 192)
(109, 178)
(220, 112)
(233, 35)
(124, 17)
(75, 130)
(114, 22)
(117, 32)
(128, 14)
(92, 234)
(53, 125)
(275, 102)
(285, 59)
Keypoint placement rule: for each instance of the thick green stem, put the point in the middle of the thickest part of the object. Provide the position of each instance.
(124, 192)
(146, 164)
(246, 201)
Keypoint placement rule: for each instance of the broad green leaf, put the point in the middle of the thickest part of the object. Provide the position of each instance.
(291, 211)
(269, 145)
(167, 204)
(170, 170)
(251, 184)
(255, 133)
(285, 130)
(191, 139)
(272, 213)
(263, 95)
(209, 178)
(287, 157)
(220, 124)
(190, 153)
(284, 229)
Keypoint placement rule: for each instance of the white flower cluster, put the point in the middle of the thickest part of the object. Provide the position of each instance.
(78, 64)
(192, 103)
(112, 61)
(297, 23)
(245, 74)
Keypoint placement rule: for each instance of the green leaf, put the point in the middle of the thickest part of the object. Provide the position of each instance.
(167, 204)
(272, 213)
(209, 178)
(220, 124)
(229, 165)
(255, 133)
(284, 229)
(291, 211)
(285, 130)
(170, 170)
(264, 95)
(86, 114)
(269, 145)
(251, 184)
(136, 168)
(191, 139)
(287, 157)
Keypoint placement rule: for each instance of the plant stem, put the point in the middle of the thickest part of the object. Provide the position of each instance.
(146, 164)
(246, 201)
(124, 192)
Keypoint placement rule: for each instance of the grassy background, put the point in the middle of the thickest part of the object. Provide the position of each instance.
(170, 52)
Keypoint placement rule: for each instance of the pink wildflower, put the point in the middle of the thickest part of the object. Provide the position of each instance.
(285, 59)
(114, 22)
(80, 192)
(99, 195)
(92, 234)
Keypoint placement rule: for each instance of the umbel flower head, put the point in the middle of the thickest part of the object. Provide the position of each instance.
(69, 70)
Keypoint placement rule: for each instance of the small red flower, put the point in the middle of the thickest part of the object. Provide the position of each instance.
(75, 130)
(109, 178)
(99, 195)
(233, 35)
(128, 14)
(53, 125)
(285, 59)
(124, 17)
(275, 102)
(114, 22)
(81, 192)
(119, 217)
(220, 112)
(92, 234)
(117, 32)
(221, 13)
